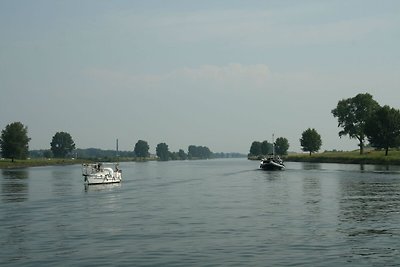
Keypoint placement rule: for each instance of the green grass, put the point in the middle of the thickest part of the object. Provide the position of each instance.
(7, 163)
(353, 157)
(18, 163)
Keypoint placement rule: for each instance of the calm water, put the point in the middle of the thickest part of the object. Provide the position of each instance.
(202, 213)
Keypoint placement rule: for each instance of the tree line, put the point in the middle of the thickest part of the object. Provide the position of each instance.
(14, 142)
(281, 146)
(360, 117)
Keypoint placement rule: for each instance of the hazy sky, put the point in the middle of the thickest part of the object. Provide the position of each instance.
(215, 73)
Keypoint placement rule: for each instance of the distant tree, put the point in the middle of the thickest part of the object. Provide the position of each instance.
(383, 128)
(62, 144)
(255, 148)
(14, 141)
(142, 149)
(352, 114)
(47, 153)
(281, 146)
(310, 141)
(266, 148)
(182, 155)
(162, 151)
(200, 152)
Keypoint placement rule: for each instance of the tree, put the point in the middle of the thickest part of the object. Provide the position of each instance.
(353, 113)
(266, 148)
(383, 128)
(162, 151)
(14, 141)
(201, 152)
(281, 146)
(62, 144)
(141, 149)
(310, 141)
(255, 148)
(182, 155)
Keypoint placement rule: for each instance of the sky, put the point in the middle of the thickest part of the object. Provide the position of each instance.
(220, 74)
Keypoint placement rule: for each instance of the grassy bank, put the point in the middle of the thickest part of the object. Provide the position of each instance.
(8, 164)
(352, 157)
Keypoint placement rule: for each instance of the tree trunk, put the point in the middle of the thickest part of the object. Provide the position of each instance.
(310, 153)
(361, 147)
(386, 151)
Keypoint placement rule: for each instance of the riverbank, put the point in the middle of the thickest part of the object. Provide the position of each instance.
(8, 164)
(351, 157)
(346, 157)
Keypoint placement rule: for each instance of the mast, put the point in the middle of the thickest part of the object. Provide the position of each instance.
(116, 152)
(273, 145)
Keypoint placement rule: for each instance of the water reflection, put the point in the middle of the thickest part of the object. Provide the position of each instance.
(63, 183)
(311, 166)
(272, 175)
(368, 204)
(365, 199)
(102, 187)
(312, 194)
(14, 185)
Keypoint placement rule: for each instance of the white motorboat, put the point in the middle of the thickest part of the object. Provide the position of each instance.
(100, 173)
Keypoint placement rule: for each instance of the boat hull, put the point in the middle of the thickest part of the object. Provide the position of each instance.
(96, 179)
(97, 174)
(271, 165)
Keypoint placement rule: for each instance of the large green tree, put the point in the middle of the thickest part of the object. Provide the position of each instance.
(162, 151)
(199, 152)
(14, 141)
(266, 148)
(281, 146)
(352, 114)
(62, 144)
(255, 148)
(141, 149)
(383, 128)
(310, 140)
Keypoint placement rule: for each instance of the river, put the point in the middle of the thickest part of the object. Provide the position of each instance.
(202, 213)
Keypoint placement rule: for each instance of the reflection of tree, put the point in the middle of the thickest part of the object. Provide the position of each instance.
(312, 194)
(311, 166)
(363, 200)
(14, 185)
(367, 211)
(368, 200)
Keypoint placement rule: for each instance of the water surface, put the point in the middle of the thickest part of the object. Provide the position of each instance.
(202, 213)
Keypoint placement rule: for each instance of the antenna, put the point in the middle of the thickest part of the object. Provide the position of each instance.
(273, 145)
(116, 149)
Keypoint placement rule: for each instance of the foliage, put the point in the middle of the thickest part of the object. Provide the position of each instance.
(96, 153)
(310, 140)
(180, 155)
(14, 141)
(162, 151)
(383, 128)
(255, 148)
(201, 152)
(349, 157)
(266, 148)
(281, 146)
(353, 113)
(62, 144)
(141, 149)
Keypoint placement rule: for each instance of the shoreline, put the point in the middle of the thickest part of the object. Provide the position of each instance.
(352, 157)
